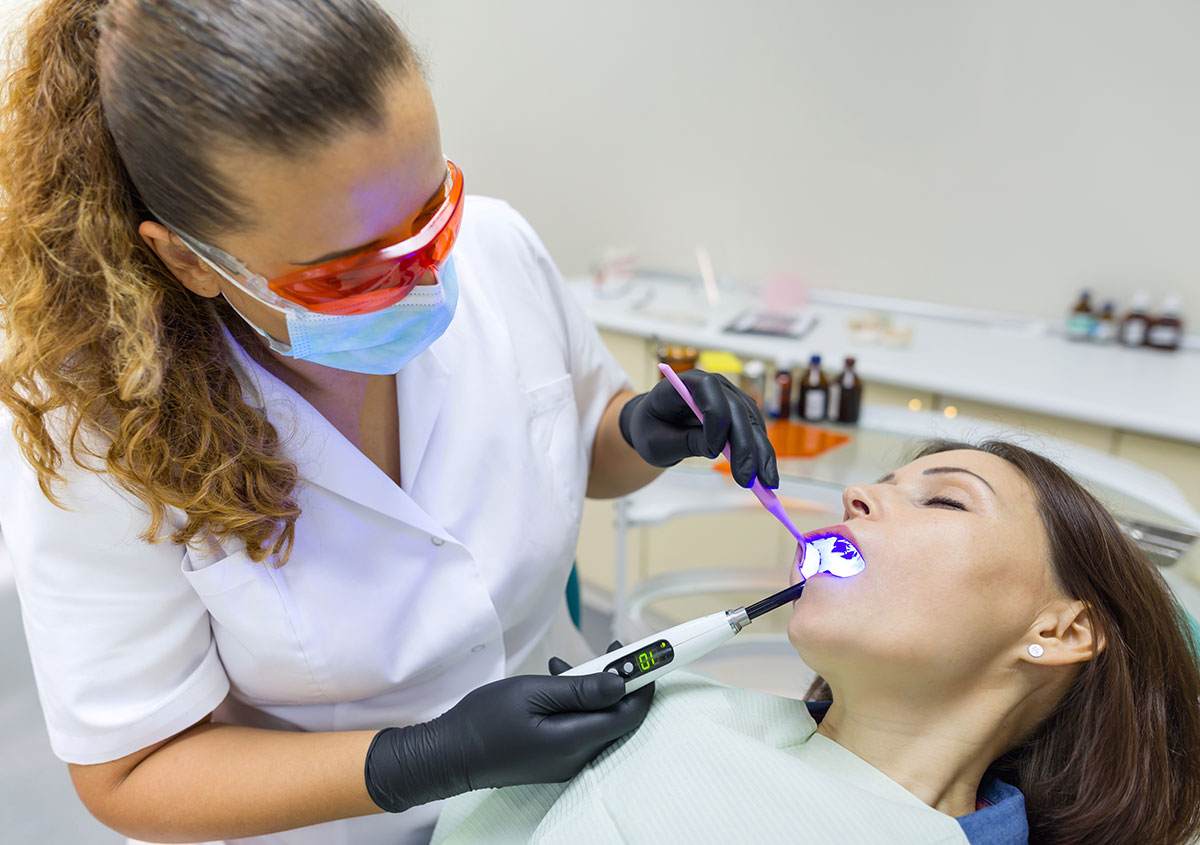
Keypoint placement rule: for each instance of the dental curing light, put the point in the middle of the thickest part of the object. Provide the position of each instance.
(648, 659)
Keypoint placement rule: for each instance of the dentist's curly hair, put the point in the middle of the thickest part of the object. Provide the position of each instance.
(108, 109)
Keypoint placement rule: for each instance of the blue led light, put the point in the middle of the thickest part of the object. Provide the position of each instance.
(831, 553)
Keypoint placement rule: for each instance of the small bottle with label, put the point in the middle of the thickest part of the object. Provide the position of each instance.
(845, 395)
(1166, 331)
(1105, 330)
(754, 382)
(813, 404)
(781, 399)
(1132, 331)
(1082, 319)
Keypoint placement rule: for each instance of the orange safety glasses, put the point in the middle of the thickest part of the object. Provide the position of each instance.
(365, 281)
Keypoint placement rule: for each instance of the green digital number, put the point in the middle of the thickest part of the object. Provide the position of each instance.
(644, 660)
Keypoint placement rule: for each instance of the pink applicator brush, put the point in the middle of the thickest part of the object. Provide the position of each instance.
(765, 494)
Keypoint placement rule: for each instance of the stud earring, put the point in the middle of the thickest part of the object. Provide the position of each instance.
(1036, 650)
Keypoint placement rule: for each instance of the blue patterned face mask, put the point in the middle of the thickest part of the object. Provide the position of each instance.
(379, 343)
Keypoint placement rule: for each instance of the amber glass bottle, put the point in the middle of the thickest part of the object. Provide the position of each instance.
(813, 404)
(1166, 330)
(845, 395)
(1132, 331)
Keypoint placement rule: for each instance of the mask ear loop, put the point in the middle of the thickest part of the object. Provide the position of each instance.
(202, 251)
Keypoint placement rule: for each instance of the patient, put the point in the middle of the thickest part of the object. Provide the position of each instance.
(1004, 636)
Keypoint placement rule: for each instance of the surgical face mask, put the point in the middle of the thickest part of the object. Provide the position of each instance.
(377, 343)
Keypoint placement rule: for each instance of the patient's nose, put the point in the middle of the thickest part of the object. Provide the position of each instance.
(858, 502)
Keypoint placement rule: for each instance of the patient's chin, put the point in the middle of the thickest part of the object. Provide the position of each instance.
(802, 634)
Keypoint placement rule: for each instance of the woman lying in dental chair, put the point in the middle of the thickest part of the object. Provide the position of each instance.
(1008, 666)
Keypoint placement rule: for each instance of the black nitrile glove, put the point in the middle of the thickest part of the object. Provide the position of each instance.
(526, 729)
(664, 431)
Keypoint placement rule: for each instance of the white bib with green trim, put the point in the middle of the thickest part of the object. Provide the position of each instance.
(711, 763)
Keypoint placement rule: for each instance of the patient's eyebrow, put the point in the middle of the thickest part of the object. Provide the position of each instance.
(936, 470)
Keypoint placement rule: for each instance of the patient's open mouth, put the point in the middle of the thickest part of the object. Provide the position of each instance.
(835, 554)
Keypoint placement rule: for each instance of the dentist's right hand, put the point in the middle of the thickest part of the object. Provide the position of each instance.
(525, 729)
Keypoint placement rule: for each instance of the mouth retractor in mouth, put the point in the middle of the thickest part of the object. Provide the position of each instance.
(831, 553)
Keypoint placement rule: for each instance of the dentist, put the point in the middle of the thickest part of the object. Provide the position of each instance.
(295, 434)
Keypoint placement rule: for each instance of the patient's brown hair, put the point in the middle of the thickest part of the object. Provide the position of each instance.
(1117, 761)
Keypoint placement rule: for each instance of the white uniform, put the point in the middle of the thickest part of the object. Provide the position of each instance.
(396, 601)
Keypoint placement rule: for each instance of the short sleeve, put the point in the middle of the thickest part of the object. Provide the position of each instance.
(596, 375)
(122, 649)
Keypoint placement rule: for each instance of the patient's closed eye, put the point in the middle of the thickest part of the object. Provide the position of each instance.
(950, 503)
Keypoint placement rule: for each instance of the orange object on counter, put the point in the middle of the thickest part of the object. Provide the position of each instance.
(796, 440)
(678, 358)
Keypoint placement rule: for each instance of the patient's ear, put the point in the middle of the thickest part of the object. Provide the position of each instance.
(1067, 633)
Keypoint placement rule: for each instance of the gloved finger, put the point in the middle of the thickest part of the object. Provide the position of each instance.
(743, 449)
(602, 728)
(667, 405)
(708, 392)
(563, 694)
(638, 702)
(557, 665)
(768, 469)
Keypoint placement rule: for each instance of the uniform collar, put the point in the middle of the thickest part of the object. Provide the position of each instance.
(325, 458)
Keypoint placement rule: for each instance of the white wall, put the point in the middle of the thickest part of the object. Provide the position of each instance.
(12, 12)
(1000, 153)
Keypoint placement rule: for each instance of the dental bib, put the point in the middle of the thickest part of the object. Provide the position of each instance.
(710, 763)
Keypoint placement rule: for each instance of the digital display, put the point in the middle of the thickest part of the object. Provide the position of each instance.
(647, 659)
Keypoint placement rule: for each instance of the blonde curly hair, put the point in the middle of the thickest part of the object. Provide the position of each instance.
(96, 330)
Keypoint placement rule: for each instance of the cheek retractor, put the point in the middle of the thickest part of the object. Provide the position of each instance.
(645, 660)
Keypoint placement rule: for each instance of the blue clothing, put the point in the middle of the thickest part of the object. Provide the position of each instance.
(1004, 822)
(1001, 823)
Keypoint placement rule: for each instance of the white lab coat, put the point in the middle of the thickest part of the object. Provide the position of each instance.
(396, 601)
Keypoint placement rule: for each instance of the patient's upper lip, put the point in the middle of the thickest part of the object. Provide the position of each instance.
(844, 531)
(841, 530)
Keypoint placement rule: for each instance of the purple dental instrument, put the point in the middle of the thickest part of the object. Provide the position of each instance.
(765, 495)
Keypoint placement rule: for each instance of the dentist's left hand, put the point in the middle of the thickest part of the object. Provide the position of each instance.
(664, 430)
(524, 729)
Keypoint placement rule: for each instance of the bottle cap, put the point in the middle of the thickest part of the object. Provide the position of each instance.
(850, 362)
(815, 360)
(783, 364)
(753, 368)
(1140, 301)
(1171, 306)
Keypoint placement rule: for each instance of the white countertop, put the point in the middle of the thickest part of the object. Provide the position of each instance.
(994, 358)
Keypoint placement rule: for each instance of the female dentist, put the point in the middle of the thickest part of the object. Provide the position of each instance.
(300, 433)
